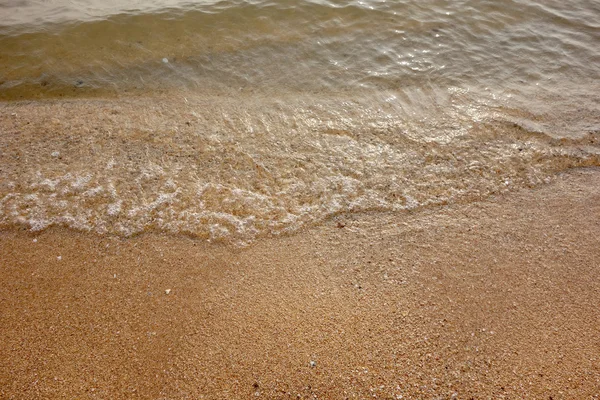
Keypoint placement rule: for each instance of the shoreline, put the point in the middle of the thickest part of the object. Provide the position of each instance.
(236, 172)
(496, 298)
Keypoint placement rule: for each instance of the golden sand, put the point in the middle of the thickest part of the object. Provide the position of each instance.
(495, 299)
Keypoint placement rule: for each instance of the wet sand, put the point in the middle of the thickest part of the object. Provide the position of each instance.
(494, 299)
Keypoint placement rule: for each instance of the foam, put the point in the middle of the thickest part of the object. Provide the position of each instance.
(298, 167)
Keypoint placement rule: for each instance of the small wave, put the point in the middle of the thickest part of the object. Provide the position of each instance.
(237, 170)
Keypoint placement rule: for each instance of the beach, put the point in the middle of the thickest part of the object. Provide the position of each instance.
(300, 199)
(489, 299)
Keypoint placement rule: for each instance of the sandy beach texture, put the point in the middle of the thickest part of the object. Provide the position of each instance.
(494, 299)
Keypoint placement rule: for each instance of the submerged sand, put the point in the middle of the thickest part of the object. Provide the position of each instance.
(494, 299)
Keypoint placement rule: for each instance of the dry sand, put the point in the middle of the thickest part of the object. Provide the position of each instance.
(497, 299)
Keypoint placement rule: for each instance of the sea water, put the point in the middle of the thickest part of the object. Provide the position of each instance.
(229, 120)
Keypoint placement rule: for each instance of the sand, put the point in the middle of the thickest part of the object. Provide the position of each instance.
(494, 299)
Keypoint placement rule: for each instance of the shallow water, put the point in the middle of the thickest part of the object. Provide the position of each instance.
(234, 119)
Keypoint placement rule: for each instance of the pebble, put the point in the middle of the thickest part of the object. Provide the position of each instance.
(59, 258)
(165, 60)
(312, 363)
(167, 291)
(55, 154)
